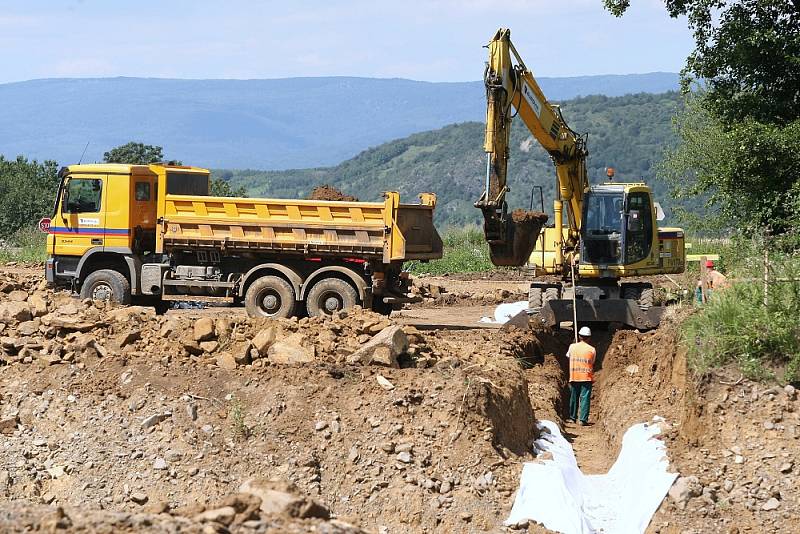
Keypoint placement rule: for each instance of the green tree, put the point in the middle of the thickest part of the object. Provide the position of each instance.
(749, 173)
(747, 54)
(221, 188)
(27, 191)
(738, 135)
(134, 154)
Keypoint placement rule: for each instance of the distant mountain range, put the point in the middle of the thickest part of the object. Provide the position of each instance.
(260, 124)
(628, 133)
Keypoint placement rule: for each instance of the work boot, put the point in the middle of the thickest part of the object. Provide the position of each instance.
(584, 423)
(571, 421)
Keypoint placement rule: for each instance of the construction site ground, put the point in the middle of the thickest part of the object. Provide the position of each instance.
(203, 420)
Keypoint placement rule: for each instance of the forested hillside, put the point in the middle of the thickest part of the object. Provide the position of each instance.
(627, 133)
(262, 124)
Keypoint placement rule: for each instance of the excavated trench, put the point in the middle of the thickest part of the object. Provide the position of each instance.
(637, 376)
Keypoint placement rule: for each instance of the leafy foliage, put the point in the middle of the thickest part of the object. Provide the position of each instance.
(465, 251)
(222, 188)
(134, 154)
(735, 326)
(739, 136)
(749, 172)
(27, 189)
(627, 132)
(746, 52)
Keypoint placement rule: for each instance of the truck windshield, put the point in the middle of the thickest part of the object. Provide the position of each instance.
(602, 228)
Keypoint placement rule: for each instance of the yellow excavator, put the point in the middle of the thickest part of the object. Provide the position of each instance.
(610, 233)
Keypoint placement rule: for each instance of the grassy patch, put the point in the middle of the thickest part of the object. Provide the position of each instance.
(736, 327)
(26, 245)
(465, 251)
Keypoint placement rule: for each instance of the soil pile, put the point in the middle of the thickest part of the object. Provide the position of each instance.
(117, 409)
(328, 192)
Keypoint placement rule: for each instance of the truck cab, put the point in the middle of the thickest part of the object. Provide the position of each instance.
(105, 217)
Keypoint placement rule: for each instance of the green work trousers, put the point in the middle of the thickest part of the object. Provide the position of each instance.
(584, 391)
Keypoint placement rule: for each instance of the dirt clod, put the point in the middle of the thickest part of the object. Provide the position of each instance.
(328, 192)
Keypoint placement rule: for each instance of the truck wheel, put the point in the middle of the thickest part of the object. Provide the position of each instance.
(646, 298)
(551, 293)
(631, 292)
(270, 296)
(535, 297)
(330, 295)
(107, 285)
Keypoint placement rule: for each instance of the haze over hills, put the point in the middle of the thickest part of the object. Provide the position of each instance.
(262, 124)
(628, 133)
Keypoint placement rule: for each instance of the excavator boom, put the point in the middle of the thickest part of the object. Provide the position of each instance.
(510, 84)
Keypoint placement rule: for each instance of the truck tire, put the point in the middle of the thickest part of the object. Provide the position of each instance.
(107, 285)
(270, 296)
(646, 298)
(631, 292)
(551, 293)
(535, 298)
(330, 295)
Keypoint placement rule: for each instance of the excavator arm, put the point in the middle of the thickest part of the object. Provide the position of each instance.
(510, 84)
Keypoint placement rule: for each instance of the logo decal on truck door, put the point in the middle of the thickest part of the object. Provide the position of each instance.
(88, 221)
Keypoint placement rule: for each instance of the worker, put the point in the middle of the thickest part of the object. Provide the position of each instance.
(581, 376)
(714, 280)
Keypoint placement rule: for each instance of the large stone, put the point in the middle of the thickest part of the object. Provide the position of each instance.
(37, 304)
(18, 295)
(290, 351)
(204, 329)
(281, 498)
(127, 314)
(383, 349)
(70, 323)
(223, 328)
(226, 360)
(684, 489)
(223, 516)
(28, 328)
(14, 312)
(264, 340)
(9, 425)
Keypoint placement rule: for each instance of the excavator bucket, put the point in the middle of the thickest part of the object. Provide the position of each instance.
(522, 230)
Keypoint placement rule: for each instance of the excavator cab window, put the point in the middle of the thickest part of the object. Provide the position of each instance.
(602, 228)
(639, 226)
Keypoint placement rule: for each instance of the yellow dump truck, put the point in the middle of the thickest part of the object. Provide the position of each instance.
(152, 233)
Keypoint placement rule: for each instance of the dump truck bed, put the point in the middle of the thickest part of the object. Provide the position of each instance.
(386, 231)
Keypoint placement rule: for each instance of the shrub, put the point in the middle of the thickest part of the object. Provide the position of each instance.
(465, 251)
(736, 327)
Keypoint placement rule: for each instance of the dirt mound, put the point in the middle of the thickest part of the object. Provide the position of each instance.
(381, 424)
(328, 192)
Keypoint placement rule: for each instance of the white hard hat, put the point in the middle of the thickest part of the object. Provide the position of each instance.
(585, 332)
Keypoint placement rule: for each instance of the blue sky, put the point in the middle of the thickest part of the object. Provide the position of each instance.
(434, 40)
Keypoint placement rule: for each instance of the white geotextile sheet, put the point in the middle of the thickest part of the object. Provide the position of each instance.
(556, 493)
(504, 312)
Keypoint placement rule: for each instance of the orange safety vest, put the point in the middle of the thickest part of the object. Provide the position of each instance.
(581, 362)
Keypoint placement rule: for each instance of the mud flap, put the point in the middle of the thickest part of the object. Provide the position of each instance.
(623, 311)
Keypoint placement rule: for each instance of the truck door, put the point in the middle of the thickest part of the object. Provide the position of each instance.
(80, 223)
